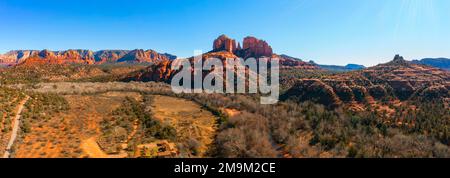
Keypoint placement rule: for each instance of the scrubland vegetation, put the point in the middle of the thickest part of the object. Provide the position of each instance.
(9, 99)
(41, 107)
(286, 129)
(311, 130)
(65, 72)
(290, 129)
(132, 118)
(288, 76)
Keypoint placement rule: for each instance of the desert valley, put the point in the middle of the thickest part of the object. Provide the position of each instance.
(119, 104)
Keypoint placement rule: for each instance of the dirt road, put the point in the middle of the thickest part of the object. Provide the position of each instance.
(15, 127)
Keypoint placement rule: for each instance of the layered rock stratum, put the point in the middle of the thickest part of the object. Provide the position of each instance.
(84, 56)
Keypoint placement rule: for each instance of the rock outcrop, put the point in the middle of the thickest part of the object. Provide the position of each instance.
(141, 56)
(160, 72)
(61, 57)
(253, 47)
(224, 43)
(256, 48)
(17, 56)
(109, 56)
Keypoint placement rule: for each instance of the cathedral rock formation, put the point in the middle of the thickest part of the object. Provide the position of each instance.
(252, 47)
(224, 43)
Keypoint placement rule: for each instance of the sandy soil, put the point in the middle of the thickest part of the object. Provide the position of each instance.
(92, 150)
(188, 118)
(70, 134)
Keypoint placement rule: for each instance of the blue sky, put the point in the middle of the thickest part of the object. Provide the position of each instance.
(327, 31)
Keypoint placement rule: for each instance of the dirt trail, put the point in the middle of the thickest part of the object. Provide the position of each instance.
(133, 133)
(232, 112)
(63, 135)
(15, 127)
(2, 120)
(93, 150)
(90, 146)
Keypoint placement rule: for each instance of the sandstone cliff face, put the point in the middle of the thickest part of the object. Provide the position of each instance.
(397, 79)
(61, 57)
(109, 56)
(254, 47)
(224, 43)
(160, 72)
(140, 56)
(17, 56)
(83, 56)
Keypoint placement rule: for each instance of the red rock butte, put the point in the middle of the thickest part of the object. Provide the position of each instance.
(224, 43)
(256, 48)
(252, 47)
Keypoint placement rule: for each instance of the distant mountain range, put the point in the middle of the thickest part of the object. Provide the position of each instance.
(83, 56)
(346, 68)
(442, 63)
(251, 47)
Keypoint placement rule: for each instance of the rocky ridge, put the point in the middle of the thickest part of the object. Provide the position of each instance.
(396, 80)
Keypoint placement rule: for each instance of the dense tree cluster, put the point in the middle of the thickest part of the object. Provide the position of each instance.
(131, 117)
(311, 130)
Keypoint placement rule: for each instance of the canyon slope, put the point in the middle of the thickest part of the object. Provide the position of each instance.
(398, 80)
